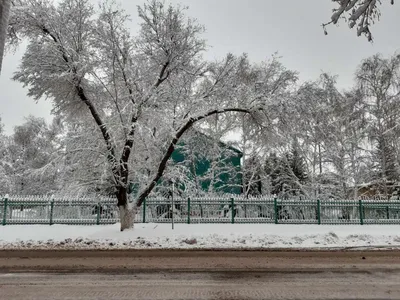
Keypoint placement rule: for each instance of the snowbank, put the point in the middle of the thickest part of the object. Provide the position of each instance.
(198, 236)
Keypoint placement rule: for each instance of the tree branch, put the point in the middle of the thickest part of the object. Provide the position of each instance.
(82, 96)
(364, 10)
(103, 128)
(124, 171)
(163, 163)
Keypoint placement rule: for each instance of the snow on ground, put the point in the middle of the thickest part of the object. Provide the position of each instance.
(156, 236)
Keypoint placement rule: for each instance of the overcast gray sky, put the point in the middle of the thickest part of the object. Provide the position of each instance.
(257, 27)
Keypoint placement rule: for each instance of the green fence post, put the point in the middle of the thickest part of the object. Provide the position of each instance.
(5, 210)
(232, 211)
(98, 214)
(387, 212)
(144, 211)
(276, 209)
(319, 211)
(188, 205)
(51, 211)
(361, 212)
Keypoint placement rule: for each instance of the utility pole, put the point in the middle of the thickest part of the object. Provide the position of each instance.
(173, 202)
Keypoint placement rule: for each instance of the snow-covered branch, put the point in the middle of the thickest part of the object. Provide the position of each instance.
(362, 13)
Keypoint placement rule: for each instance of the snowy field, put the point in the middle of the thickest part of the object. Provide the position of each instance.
(185, 236)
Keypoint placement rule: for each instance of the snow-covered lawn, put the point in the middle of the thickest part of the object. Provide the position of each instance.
(198, 236)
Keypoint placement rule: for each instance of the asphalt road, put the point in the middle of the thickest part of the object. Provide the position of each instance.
(199, 275)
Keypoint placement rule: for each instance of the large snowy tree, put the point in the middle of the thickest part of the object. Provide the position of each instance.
(143, 93)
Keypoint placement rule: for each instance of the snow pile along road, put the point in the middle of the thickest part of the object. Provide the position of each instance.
(199, 236)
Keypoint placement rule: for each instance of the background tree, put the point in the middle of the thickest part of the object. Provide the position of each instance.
(5, 163)
(287, 174)
(209, 149)
(305, 120)
(33, 154)
(266, 80)
(379, 80)
(297, 163)
(254, 177)
(273, 170)
(82, 164)
(346, 150)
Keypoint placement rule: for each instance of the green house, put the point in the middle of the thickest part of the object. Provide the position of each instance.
(213, 166)
(208, 166)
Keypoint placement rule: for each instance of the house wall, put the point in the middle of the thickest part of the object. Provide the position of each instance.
(227, 182)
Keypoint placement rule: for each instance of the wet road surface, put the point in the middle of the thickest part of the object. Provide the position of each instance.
(199, 275)
(201, 286)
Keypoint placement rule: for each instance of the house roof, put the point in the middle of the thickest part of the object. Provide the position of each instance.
(221, 143)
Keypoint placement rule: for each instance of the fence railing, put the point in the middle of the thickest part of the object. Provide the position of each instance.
(92, 211)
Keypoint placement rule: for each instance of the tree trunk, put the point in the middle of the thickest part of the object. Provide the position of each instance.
(126, 212)
(4, 14)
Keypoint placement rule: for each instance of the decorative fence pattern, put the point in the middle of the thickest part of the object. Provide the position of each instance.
(92, 211)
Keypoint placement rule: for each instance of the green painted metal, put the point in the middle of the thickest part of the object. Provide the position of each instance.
(276, 210)
(90, 211)
(188, 210)
(51, 211)
(232, 211)
(5, 211)
(144, 211)
(98, 215)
